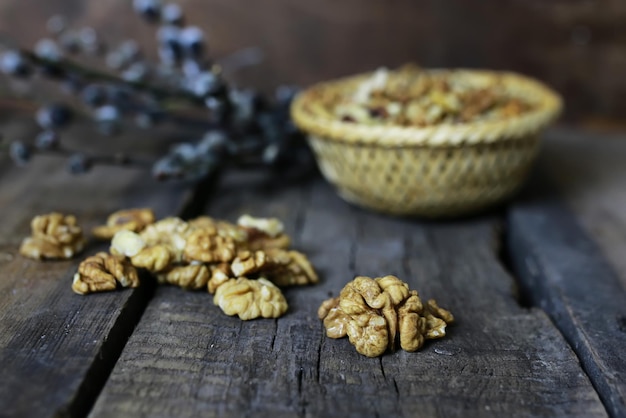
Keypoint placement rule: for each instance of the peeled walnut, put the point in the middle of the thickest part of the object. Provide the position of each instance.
(222, 228)
(129, 219)
(220, 274)
(372, 312)
(192, 276)
(283, 268)
(127, 243)
(54, 236)
(206, 245)
(153, 259)
(272, 227)
(102, 272)
(250, 299)
(170, 232)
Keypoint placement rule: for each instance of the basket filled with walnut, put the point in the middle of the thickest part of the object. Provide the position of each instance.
(429, 143)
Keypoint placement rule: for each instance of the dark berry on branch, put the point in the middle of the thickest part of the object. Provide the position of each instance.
(47, 49)
(69, 42)
(19, 152)
(172, 14)
(115, 60)
(192, 68)
(285, 95)
(56, 24)
(270, 154)
(136, 72)
(89, 40)
(168, 38)
(148, 9)
(148, 118)
(217, 109)
(192, 41)
(94, 95)
(79, 163)
(213, 143)
(107, 118)
(56, 115)
(129, 50)
(47, 140)
(13, 63)
(205, 84)
(167, 168)
(120, 96)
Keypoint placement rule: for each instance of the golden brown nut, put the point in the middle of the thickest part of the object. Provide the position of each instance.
(192, 276)
(129, 219)
(54, 236)
(222, 228)
(335, 320)
(373, 311)
(220, 273)
(102, 272)
(250, 299)
(283, 268)
(153, 259)
(272, 227)
(170, 232)
(127, 243)
(207, 246)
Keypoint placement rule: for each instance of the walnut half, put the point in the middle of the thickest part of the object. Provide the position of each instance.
(372, 312)
(250, 299)
(102, 272)
(53, 236)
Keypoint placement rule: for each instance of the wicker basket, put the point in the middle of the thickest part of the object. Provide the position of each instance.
(438, 171)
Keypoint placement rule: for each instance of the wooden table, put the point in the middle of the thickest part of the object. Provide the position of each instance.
(537, 288)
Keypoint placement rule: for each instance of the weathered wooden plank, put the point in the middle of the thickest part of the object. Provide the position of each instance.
(589, 171)
(57, 348)
(562, 271)
(187, 359)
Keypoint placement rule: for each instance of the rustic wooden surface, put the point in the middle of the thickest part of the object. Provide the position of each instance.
(186, 358)
(63, 354)
(577, 46)
(589, 171)
(57, 348)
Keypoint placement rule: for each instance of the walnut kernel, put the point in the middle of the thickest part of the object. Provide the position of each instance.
(102, 272)
(133, 220)
(192, 276)
(372, 312)
(250, 299)
(54, 236)
(127, 243)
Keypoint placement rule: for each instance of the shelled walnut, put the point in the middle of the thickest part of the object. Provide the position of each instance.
(371, 312)
(192, 276)
(208, 246)
(134, 220)
(170, 232)
(283, 268)
(250, 299)
(102, 272)
(53, 236)
(410, 96)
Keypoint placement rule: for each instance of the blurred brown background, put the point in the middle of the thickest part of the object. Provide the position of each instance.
(576, 46)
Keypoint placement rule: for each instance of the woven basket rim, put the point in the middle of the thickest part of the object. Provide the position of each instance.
(312, 117)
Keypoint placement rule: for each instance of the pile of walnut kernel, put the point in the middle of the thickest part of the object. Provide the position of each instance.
(374, 312)
(53, 236)
(241, 264)
(412, 97)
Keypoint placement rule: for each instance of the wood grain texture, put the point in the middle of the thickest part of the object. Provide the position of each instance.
(589, 170)
(562, 271)
(57, 347)
(577, 46)
(187, 359)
